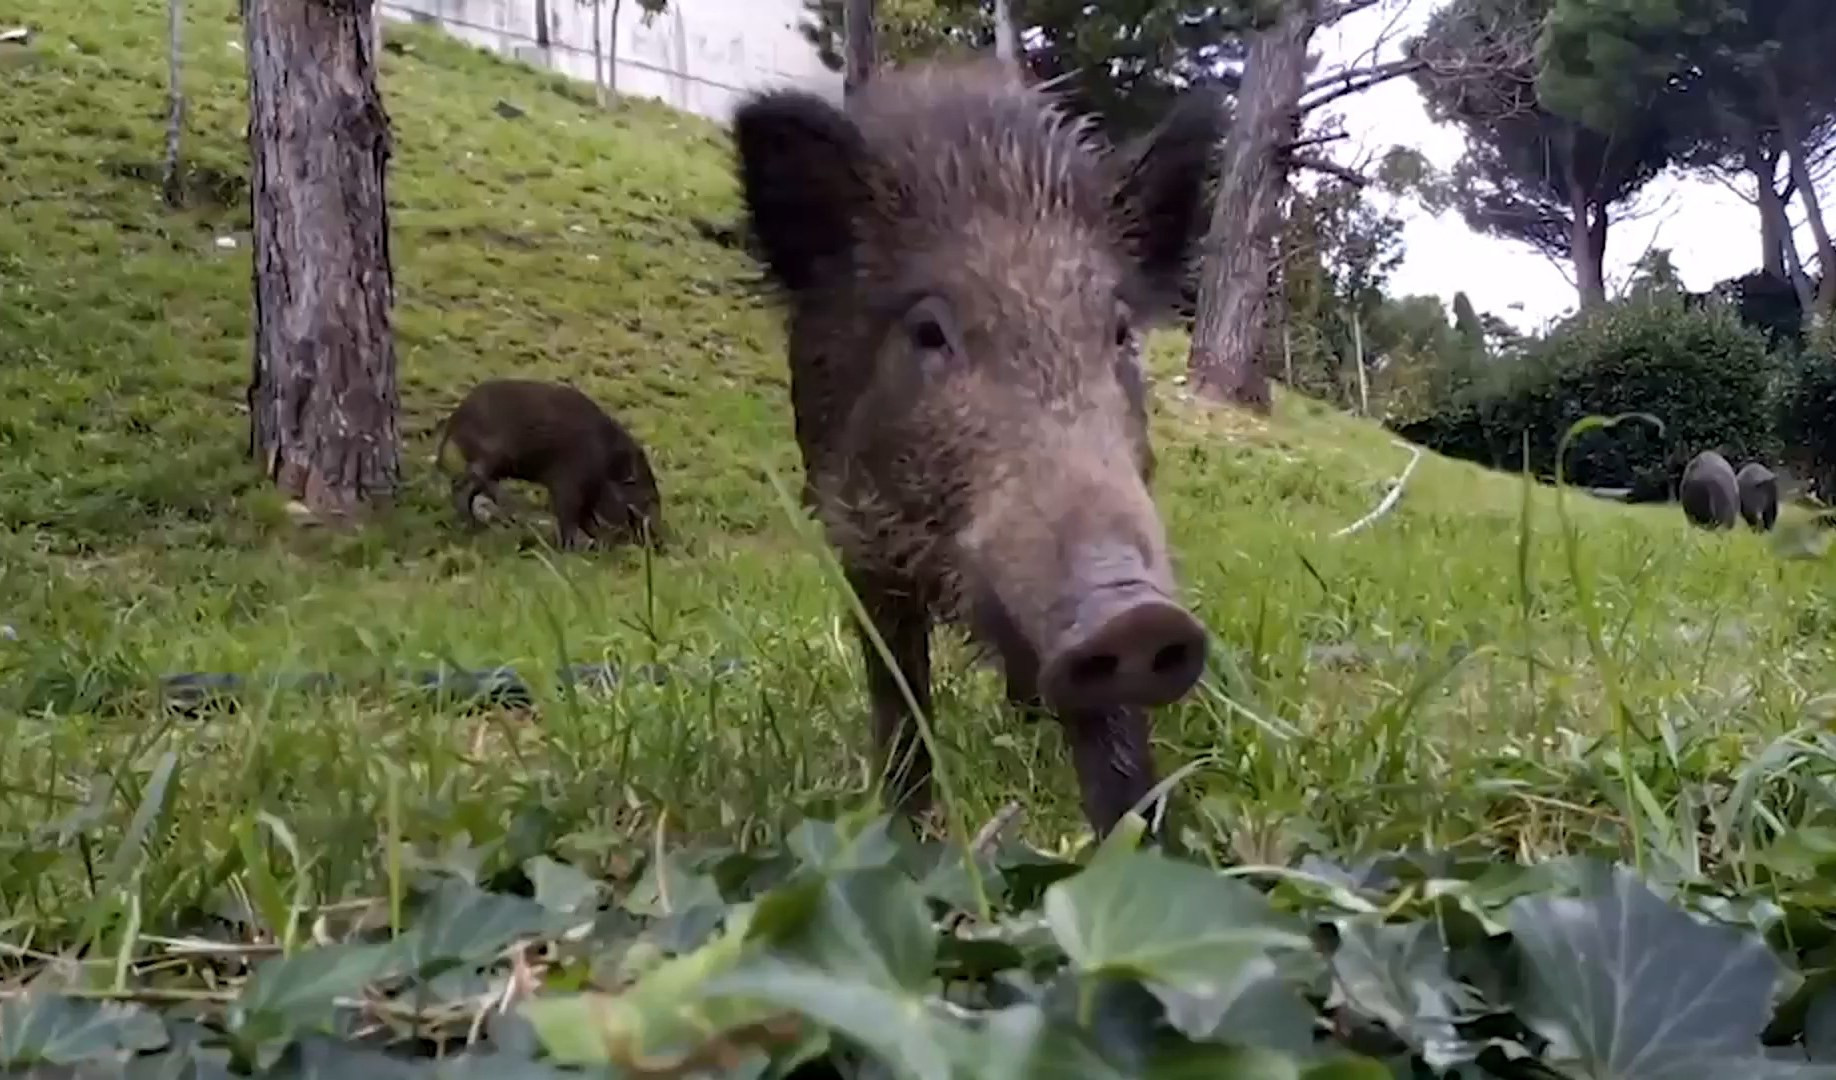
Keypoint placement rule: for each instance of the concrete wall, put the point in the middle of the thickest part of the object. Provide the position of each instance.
(700, 56)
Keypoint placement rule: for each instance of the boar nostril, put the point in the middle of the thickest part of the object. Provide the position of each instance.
(1131, 647)
(1171, 658)
(1095, 669)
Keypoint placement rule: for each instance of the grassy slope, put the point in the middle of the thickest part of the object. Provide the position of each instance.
(137, 542)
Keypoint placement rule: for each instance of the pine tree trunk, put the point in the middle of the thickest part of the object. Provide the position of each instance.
(323, 401)
(1773, 227)
(172, 185)
(612, 49)
(1586, 236)
(1791, 129)
(599, 52)
(859, 49)
(1230, 327)
(1820, 233)
(1007, 36)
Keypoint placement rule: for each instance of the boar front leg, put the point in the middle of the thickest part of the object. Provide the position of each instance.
(1114, 763)
(899, 616)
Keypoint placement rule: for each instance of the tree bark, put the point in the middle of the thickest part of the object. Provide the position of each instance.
(599, 52)
(1825, 300)
(172, 186)
(1773, 226)
(858, 45)
(1229, 331)
(1007, 37)
(1587, 233)
(612, 48)
(1791, 130)
(323, 402)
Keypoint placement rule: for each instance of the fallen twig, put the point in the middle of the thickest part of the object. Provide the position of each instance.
(1389, 500)
(986, 836)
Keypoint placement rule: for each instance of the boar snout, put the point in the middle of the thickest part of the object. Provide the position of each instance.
(1128, 645)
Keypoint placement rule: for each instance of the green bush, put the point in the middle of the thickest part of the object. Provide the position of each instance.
(1807, 412)
(1695, 367)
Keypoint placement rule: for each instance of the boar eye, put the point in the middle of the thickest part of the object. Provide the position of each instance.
(929, 326)
(928, 334)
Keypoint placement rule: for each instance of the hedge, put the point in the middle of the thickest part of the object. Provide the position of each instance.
(1696, 367)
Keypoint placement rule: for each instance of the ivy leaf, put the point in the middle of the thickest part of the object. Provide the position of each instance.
(1196, 938)
(559, 887)
(1399, 975)
(870, 925)
(1627, 987)
(466, 925)
(43, 1029)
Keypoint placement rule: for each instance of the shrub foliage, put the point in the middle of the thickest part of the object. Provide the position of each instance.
(1696, 368)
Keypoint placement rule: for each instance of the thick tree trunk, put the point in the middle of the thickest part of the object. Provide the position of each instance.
(1791, 130)
(1587, 233)
(1007, 37)
(1825, 300)
(322, 398)
(612, 48)
(1588, 252)
(599, 52)
(1774, 229)
(1778, 247)
(859, 50)
(1229, 330)
(172, 185)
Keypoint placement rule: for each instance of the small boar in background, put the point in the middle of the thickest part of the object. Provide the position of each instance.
(1758, 488)
(968, 272)
(599, 480)
(1708, 491)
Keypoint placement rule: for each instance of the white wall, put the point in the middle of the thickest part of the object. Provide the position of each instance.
(700, 56)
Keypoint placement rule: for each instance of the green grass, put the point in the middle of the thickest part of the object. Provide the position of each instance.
(139, 542)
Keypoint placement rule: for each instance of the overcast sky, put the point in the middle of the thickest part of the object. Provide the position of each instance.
(1710, 231)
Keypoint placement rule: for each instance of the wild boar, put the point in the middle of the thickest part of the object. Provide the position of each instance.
(967, 270)
(598, 477)
(1758, 487)
(1708, 491)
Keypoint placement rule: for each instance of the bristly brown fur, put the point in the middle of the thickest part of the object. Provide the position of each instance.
(967, 267)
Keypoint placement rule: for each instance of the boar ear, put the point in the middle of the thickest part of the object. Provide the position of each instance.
(803, 174)
(1163, 199)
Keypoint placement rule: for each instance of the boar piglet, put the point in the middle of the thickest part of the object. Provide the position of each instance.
(1758, 487)
(1708, 492)
(598, 477)
(967, 272)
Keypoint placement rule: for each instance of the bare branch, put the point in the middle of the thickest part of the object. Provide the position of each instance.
(1330, 168)
(1306, 141)
(1389, 500)
(1355, 80)
(1344, 9)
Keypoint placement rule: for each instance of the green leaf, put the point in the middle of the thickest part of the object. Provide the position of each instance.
(465, 925)
(870, 925)
(1261, 1009)
(1399, 975)
(1627, 987)
(910, 1034)
(1175, 925)
(828, 846)
(559, 887)
(43, 1029)
(303, 986)
(1198, 1062)
(668, 886)
(662, 1020)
